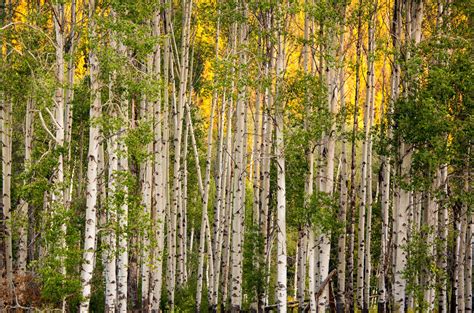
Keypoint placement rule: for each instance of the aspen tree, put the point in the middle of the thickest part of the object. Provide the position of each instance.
(303, 232)
(414, 16)
(159, 184)
(24, 206)
(395, 32)
(214, 249)
(363, 202)
(92, 173)
(280, 163)
(266, 151)
(352, 189)
(238, 205)
(443, 222)
(431, 221)
(327, 180)
(109, 238)
(313, 248)
(368, 235)
(461, 222)
(166, 130)
(69, 95)
(343, 181)
(468, 239)
(147, 181)
(6, 136)
(109, 255)
(384, 182)
(58, 196)
(468, 247)
(178, 108)
(184, 219)
(204, 189)
(220, 210)
(365, 214)
(6, 188)
(227, 197)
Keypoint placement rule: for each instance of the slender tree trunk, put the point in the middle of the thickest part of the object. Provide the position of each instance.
(384, 182)
(204, 189)
(109, 238)
(343, 196)
(312, 246)
(24, 206)
(92, 173)
(58, 196)
(159, 189)
(178, 110)
(6, 190)
(238, 201)
(227, 220)
(122, 240)
(443, 228)
(468, 267)
(281, 299)
(220, 208)
(328, 184)
(363, 194)
(370, 94)
(352, 190)
(309, 181)
(267, 135)
(146, 186)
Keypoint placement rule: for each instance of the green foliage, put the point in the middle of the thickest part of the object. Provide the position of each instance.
(421, 271)
(137, 140)
(58, 271)
(322, 211)
(254, 265)
(307, 119)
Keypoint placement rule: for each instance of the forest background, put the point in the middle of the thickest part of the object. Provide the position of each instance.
(237, 155)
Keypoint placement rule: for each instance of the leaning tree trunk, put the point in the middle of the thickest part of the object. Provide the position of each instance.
(204, 189)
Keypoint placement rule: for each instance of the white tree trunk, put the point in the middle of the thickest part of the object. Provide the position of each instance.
(370, 94)
(312, 246)
(6, 190)
(327, 182)
(146, 186)
(92, 173)
(159, 182)
(122, 259)
(109, 237)
(281, 299)
(238, 201)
